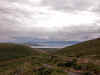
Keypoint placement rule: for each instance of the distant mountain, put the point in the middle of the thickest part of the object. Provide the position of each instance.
(91, 47)
(32, 44)
(44, 43)
(52, 43)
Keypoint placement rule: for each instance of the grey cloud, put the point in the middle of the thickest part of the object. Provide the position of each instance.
(78, 33)
(71, 5)
(13, 20)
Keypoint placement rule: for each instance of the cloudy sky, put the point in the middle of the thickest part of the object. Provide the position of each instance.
(49, 19)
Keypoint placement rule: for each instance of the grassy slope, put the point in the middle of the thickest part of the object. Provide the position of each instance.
(41, 58)
(15, 55)
(10, 51)
(91, 47)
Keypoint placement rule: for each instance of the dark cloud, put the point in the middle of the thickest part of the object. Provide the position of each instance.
(70, 5)
(29, 19)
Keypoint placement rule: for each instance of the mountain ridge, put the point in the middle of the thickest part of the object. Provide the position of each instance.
(90, 47)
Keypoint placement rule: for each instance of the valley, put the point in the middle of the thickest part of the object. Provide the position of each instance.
(79, 59)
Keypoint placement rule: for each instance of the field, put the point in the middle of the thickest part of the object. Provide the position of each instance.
(80, 59)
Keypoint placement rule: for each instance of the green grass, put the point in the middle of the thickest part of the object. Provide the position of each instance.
(11, 51)
(41, 62)
(88, 48)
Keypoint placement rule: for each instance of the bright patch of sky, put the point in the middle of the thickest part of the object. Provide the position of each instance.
(50, 19)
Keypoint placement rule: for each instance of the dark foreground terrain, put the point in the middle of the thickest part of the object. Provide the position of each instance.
(80, 59)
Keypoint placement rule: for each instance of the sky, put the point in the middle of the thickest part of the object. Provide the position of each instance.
(64, 20)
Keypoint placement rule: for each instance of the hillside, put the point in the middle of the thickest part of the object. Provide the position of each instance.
(88, 48)
(40, 62)
(10, 51)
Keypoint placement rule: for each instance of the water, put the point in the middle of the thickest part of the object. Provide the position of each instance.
(47, 46)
